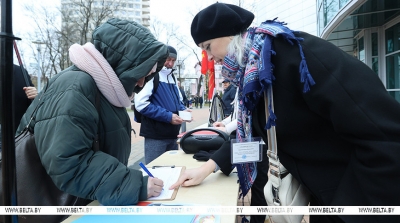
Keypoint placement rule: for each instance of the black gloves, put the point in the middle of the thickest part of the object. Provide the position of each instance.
(203, 155)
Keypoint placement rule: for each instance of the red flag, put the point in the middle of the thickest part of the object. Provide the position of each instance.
(211, 80)
(204, 62)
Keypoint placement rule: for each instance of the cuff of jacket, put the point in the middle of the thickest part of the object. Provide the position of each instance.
(143, 190)
(231, 126)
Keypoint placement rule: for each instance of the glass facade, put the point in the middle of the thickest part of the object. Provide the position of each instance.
(327, 9)
(392, 51)
(392, 39)
(375, 58)
(368, 30)
(361, 50)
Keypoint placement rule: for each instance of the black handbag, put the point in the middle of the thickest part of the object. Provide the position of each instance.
(202, 139)
(34, 186)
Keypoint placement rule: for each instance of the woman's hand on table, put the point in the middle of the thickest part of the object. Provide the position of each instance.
(195, 176)
(154, 187)
(220, 126)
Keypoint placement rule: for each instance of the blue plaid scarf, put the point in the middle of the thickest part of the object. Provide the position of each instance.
(253, 79)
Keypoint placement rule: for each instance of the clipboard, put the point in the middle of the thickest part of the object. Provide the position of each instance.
(169, 175)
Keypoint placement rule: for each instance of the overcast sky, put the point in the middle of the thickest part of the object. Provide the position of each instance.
(178, 12)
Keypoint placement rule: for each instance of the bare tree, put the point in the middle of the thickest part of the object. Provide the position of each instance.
(58, 29)
(157, 28)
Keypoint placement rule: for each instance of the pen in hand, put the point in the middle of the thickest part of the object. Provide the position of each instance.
(146, 170)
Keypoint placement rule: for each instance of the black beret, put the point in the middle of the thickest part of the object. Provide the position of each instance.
(219, 20)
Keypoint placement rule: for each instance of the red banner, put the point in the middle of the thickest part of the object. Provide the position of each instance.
(211, 79)
(204, 62)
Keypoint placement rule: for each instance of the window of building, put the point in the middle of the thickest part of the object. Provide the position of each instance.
(392, 43)
(361, 49)
(327, 10)
(374, 47)
(392, 39)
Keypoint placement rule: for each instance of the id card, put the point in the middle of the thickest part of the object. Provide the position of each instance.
(247, 151)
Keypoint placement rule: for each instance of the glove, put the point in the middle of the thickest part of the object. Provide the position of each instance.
(203, 155)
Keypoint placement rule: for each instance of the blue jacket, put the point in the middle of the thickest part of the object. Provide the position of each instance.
(157, 107)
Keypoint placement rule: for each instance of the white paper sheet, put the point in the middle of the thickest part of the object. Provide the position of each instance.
(187, 116)
(169, 176)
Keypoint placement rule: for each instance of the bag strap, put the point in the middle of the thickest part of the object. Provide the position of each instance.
(276, 169)
(24, 72)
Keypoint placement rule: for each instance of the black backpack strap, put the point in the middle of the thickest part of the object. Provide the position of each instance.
(173, 76)
(156, 82)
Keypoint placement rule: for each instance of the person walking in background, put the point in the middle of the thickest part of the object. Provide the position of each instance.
(201, 101)
(228, 97)
(337, 128)
(196, 101)
(160, 120)
(67, 120)
(183, 94)
(190, 103)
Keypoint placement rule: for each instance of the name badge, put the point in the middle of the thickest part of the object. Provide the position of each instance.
(248, 151)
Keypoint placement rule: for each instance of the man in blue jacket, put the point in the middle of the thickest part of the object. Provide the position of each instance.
(159, 108)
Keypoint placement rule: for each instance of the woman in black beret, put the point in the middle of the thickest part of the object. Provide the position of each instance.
(338, 130)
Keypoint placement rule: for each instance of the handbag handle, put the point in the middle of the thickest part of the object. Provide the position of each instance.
(276, 169)
(219, 132)
(271, 132)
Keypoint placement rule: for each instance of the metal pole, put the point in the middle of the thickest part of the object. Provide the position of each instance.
(39, 71)
(39, 76)
(6, 109)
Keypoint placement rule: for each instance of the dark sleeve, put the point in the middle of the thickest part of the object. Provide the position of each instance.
(223, 156)
(21, 100)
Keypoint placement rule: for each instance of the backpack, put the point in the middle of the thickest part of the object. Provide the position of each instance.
(156, 82)
(216, 110)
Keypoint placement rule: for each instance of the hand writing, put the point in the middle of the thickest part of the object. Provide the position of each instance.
(154, 187)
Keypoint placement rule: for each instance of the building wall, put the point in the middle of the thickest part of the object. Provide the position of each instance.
(298, 14)
(136, 10)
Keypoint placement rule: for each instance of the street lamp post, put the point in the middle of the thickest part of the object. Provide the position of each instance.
(38, 64)
(180, 64)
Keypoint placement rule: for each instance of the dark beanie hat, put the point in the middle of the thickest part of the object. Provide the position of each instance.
(172, 52)
(219, 20)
